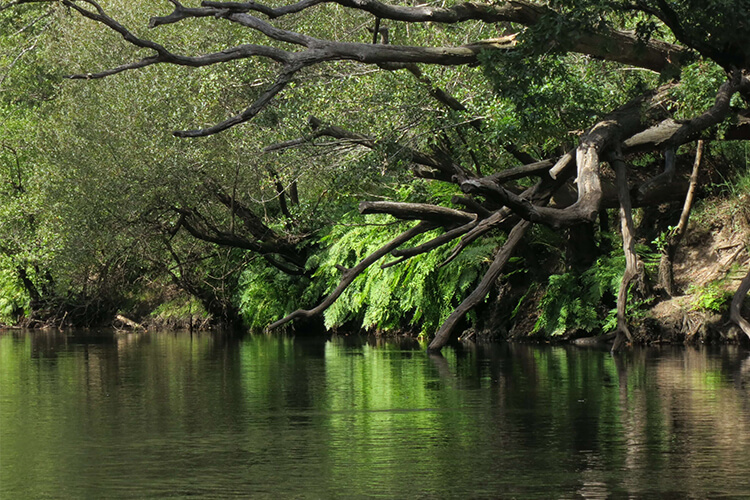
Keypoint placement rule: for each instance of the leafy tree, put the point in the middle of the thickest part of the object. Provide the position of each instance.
(466, 93)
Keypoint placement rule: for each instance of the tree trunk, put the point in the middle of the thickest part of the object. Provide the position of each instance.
(666, 275)
(632, 265)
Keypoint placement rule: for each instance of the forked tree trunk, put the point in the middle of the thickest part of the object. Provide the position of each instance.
(633, 266)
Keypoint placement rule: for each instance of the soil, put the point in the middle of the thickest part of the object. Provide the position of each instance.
(714, 253)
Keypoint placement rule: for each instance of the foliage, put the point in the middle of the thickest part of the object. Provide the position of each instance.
(416, 293)
(581, 301)
(178, 311)
(265, 294)
(14, 299)
(713, 296)
(696, 91)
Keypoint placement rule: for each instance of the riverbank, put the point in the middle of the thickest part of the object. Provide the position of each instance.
(708, 265)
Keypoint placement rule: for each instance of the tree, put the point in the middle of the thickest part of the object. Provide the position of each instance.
(593, 66)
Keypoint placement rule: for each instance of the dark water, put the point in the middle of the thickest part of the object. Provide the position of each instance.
(170, 415)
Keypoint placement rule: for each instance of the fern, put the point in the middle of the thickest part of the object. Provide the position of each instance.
(416, 293)
(574, 301)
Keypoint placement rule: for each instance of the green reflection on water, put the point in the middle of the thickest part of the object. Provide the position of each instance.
(153, 415)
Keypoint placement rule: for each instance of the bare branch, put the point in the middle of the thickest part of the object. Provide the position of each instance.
(417, 211)
(281, 82)
(239, 52)
(434, 243)
(271, 12)
(610, 45)
(494, 221)
(101, 17)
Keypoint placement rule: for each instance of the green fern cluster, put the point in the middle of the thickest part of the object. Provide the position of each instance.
(266, 294)
(417, 293)
(573, 301)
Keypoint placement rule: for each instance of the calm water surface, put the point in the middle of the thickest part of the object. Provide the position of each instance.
(174, 415)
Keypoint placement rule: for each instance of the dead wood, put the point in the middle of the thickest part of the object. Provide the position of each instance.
(633, 266)
(480, 292)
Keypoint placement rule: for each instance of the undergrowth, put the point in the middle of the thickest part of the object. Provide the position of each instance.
(586, 301)
(417, 294)
(179, 311)
(713, 296)
(581, 301)
(14, 300)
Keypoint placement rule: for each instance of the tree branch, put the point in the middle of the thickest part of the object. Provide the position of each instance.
(417, 211)
(611, 45)
(351, 274)
(433, 243)
(281, 82)
(480, 292)
(633, 267)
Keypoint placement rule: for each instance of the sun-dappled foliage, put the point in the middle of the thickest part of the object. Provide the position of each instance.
(220, 152)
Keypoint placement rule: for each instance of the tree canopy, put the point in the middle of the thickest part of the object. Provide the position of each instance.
(463, 132)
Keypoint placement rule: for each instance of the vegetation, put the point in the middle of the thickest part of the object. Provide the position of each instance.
(371, 165)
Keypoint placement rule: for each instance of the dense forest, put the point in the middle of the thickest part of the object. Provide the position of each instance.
(554, 169)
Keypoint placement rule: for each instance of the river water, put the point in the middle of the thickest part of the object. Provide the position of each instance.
(159, 415)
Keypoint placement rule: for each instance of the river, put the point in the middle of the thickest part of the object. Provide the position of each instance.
(155, 415)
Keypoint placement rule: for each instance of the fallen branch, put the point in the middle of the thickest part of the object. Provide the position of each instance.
(417, 211)
(127, 321)
(480, 292)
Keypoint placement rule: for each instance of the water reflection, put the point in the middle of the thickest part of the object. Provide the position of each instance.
(150, 415)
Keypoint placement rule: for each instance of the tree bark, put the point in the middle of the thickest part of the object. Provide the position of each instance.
(632, 265)
(417, 211)
(666, 274)
(480, 292)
